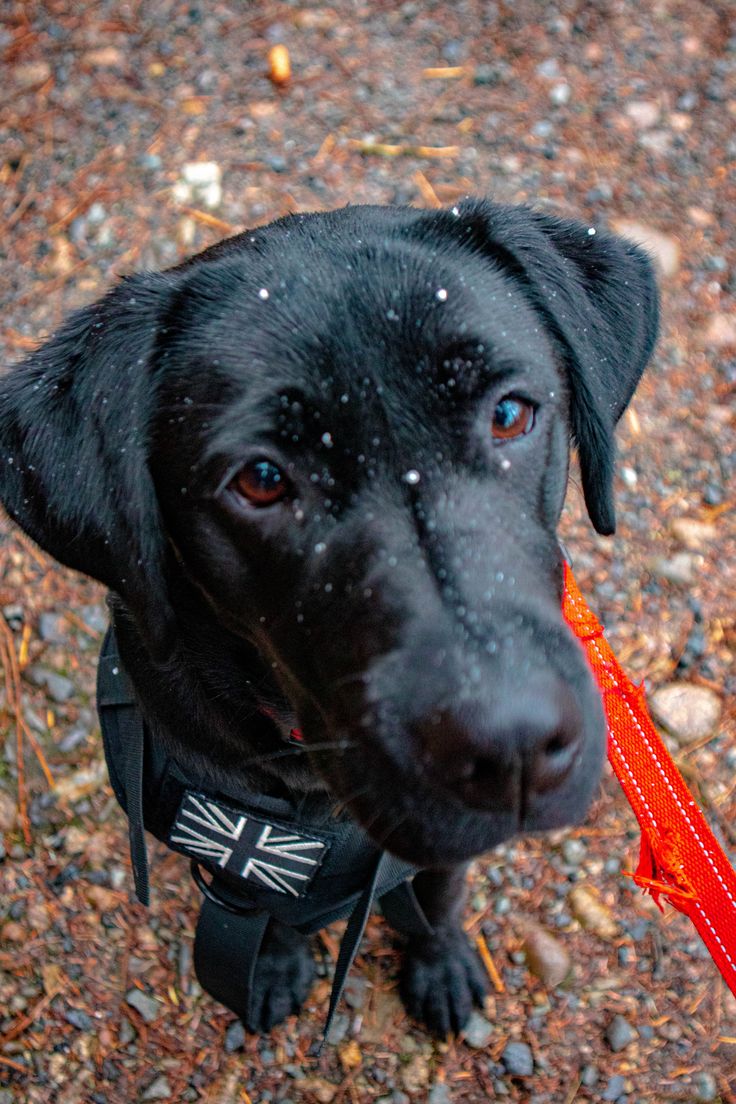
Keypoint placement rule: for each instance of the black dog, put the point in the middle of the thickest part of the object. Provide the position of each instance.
(320, 466)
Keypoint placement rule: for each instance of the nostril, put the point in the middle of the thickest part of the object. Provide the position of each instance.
(479, 771)
(555, 745)
(552, 761)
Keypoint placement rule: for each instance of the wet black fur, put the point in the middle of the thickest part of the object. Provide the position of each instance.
(405, 625)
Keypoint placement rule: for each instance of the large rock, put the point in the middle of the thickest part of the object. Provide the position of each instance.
(545, 956)
(663, 248)
(686, 711)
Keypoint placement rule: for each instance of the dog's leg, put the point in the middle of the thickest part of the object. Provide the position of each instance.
(283, 977)
(442, 976)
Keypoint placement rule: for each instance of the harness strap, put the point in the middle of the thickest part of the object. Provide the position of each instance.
(118, 710)
(351, 941)
(226, 949)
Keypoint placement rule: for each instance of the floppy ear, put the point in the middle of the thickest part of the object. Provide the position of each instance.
(73, 432)
(598, 297)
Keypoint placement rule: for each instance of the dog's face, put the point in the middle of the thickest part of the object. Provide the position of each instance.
(353, 431)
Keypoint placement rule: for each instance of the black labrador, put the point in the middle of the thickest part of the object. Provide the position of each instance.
(321, 465)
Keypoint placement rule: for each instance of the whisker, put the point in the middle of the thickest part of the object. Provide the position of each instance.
(300, 749)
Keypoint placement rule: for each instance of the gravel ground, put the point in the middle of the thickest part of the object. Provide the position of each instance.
(619, 112)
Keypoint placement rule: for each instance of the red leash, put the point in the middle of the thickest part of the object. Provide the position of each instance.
(680, 857)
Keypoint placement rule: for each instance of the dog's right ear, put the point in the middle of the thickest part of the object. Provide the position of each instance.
(74, 469)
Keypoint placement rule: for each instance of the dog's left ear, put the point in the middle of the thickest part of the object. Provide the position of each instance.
(598, 297)
(74, 427)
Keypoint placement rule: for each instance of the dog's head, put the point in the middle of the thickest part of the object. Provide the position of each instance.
(351, 432)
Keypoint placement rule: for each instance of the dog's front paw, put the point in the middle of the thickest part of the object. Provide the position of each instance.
(283, 977)
(441, 980)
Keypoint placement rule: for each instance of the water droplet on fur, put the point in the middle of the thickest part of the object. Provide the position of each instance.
(412, 477)
(327, 440)
(441, 294)
(263, 293)
(505, 464)
(319, 548)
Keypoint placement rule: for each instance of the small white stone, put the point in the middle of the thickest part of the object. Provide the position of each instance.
(441, 294)
(202, 172)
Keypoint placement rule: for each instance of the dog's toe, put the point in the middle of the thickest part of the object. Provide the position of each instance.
(283, 977)
(441, 981)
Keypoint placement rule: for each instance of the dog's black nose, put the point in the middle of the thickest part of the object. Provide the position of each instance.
(506, 752)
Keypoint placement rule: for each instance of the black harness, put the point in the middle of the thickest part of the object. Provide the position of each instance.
(267, 858)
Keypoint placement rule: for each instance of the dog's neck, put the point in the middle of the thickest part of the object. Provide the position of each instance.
(224, 715)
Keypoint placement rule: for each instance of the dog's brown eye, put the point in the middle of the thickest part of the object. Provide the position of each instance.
(512, 418)
(260, 482)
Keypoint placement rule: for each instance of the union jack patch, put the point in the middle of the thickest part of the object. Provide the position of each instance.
(277, 858)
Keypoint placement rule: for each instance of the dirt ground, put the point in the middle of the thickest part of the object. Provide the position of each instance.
(616, 111)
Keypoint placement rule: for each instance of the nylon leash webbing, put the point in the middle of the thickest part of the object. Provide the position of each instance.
(680, 857)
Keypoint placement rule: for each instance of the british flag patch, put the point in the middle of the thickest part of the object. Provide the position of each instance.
(277, 858)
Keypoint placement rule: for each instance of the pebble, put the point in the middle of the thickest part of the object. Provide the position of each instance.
(235, 1037)
(720, 333)
(354, 992)
(58, 687)
(679, 568)
(545, 955)
(692, 533)
(478, 1031)
(159, 1089)
(601, 193)
(415, 1075)
(73, 738)
(14, 615)
(560, 94)
(487, 74)
(619, 1034)
(78, 1019)
(32, 73)
(339, 1029)
(615, 1087)
(200, 182)
(643, 113)
(53, 628)
(439, 1094)
(8, 812)
(686, 711)
(589, 1076)
(317, 1088)
(518, 1060)
(95, 617)
(590, 911)
(663, 248)
(705, 1087)
(147, 1006)
(127, 1032)
(573, 851)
